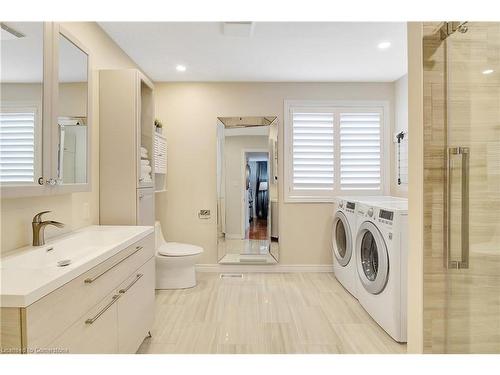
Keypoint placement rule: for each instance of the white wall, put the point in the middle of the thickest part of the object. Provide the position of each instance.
(16, 214)
(189, 112)
(400, 123)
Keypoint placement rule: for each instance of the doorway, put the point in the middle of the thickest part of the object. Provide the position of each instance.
(256, 195)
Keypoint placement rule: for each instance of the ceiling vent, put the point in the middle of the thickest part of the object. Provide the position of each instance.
(238, 29)
(8, 33)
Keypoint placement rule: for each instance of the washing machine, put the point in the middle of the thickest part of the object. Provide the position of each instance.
(381, 252)
(343, 232)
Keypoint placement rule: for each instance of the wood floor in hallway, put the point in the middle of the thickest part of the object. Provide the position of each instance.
(265, 313)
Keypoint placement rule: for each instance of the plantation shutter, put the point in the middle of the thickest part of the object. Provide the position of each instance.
(360, 150)
(17, 146)
(313, 151)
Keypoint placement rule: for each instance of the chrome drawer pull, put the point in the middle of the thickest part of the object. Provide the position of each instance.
(92, 320)
(91, 280)
(137, 277)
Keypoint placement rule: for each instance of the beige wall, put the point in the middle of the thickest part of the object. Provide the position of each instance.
(189, 112)
(16, 214)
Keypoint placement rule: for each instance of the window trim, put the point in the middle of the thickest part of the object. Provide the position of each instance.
(317, 105)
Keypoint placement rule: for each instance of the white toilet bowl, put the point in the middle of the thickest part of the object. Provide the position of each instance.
(175, 263)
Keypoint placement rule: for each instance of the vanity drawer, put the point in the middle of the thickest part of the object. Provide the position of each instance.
(53, 314)
(95, 332)
(136, 308)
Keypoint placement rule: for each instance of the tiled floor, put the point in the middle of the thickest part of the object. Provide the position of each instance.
(265, 313)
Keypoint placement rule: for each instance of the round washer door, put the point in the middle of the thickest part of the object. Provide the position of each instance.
(341, 239)
(372, 258)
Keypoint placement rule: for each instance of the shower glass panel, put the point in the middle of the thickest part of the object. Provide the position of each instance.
(462, 196)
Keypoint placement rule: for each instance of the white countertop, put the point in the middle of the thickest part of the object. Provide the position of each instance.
(29, 273)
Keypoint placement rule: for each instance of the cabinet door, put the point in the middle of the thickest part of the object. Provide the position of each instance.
(145, 206)
(136, 308)
(96, 332)
(25, 147)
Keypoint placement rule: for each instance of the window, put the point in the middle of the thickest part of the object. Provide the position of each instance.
(17, 146)
(333, 149)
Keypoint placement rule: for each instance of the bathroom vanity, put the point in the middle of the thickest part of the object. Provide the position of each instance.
(91, 291)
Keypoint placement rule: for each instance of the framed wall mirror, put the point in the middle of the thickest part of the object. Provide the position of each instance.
(247, 190)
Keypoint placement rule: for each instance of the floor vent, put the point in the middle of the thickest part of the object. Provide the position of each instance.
(231, 275)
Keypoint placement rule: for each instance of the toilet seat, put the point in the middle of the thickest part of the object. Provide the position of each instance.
(176, 249)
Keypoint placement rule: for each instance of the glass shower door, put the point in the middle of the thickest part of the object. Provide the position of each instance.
(472, 192)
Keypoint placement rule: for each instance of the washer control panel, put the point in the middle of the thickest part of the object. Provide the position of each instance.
(386, 217)
(350, 206)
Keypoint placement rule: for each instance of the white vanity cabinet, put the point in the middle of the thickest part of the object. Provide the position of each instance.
(107, 309)
(99, 337)
(135, 315)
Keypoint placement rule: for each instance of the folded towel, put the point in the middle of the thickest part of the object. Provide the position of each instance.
(144, 149)
(145, 169)
(144, 162)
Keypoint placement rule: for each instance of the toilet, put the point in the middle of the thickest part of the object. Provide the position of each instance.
(175, 262)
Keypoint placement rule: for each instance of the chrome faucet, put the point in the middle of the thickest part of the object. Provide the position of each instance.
(39, 228)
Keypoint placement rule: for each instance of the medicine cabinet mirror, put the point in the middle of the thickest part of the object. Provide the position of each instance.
(44, 110)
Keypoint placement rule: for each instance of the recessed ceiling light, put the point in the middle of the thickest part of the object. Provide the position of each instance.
(488, 71)
(384, 45)
(180, 68)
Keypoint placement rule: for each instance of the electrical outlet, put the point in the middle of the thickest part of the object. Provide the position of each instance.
(204, 214)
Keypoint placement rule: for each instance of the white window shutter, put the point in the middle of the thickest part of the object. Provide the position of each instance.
(360, 150)
(17, 146)
(312, 151)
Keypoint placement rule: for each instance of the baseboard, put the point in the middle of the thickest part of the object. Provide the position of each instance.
(262, 268)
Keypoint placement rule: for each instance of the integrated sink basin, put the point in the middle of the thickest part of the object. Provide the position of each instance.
(29, 273)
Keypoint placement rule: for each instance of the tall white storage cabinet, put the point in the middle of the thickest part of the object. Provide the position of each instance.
(126, 124)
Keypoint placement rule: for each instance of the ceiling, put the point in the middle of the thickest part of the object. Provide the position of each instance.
(275, 51)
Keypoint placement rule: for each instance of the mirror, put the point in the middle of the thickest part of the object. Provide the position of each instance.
(72, 113)
(21, 106)
(247, 190)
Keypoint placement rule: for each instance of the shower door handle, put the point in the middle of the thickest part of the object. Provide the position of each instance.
(464, 256)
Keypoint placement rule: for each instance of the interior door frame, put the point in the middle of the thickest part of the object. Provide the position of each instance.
(243, 197)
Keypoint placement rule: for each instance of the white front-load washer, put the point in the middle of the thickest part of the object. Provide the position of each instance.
(381, 253)
(343, 232)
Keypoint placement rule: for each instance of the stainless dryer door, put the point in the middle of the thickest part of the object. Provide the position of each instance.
(372, 258)
(341, 239)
